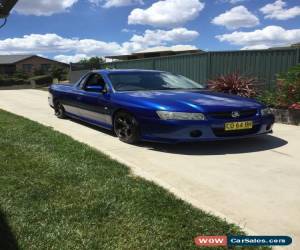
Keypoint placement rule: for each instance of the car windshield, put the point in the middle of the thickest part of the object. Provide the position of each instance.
(147, 81)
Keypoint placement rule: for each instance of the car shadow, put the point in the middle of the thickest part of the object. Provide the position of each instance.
(7, 239)
(234, 146)
(89, 125)
(237, 146)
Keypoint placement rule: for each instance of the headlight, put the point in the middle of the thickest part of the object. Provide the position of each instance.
(166, 115)
(266, 111)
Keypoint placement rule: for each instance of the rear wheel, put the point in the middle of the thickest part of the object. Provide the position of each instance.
(59, 110)
(126, 127)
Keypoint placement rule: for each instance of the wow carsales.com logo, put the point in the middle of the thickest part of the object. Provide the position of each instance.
(213, 241)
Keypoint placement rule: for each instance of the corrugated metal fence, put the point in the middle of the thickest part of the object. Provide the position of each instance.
(261, 64)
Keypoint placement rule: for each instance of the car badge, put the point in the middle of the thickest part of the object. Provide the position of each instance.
(235, 114)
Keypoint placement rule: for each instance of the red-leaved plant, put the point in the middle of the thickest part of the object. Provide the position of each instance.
(295, 106)
(234, 84)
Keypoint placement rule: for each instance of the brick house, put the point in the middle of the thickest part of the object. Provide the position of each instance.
(9, 64)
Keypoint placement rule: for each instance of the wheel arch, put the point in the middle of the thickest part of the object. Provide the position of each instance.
(55, 100)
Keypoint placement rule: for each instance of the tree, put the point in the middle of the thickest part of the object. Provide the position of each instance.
(58, 72)
(93, 62)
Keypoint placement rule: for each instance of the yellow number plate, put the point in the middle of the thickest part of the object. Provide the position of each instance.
(238, 125)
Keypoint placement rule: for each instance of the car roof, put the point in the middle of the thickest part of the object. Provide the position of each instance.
(108, 71)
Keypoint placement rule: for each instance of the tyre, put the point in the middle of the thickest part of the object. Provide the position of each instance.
(126, 127)
(59, 110)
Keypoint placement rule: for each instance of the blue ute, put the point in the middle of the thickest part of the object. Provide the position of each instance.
(158, 106)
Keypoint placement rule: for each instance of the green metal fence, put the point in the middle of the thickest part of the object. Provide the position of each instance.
(261, 64)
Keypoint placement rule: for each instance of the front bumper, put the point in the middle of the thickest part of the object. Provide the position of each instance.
(209, 130)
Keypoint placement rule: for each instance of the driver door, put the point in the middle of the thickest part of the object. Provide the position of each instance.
(95, 103)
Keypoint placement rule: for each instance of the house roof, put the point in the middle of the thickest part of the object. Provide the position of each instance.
(11, 59)
(162, 51)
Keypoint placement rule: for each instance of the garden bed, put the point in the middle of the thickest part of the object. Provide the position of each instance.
(287, 116)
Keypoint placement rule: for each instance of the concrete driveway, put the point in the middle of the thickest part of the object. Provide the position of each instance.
(254, 183)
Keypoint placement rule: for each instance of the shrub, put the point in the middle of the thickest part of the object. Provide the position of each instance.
(39, 72)
(58, 72)
(19, 74)
(268, 97)
(287, 92)
(234, 84)
(42, 80)
(2, 77)
(288, 87)
(5, 82)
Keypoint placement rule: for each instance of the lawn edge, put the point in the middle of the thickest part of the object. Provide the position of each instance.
(136, 171)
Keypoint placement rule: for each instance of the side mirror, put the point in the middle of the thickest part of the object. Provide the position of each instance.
(97, 89)
(205, 85)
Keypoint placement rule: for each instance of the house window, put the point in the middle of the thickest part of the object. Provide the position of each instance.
(45, 67)
(27, 68)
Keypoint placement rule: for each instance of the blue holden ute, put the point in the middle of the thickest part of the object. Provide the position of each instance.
(143, 105)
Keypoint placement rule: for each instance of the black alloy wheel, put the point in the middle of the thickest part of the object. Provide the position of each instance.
(126, 127)
(59, 110)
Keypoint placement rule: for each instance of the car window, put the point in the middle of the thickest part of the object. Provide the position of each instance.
(127, 82)
(94, 80)
(135, 81)
(82, 81)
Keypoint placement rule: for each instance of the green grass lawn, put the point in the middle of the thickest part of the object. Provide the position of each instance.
(57, 193)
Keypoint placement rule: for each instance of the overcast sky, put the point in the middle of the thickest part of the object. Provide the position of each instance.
(69, 30)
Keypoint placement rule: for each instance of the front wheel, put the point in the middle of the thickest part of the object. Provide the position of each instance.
(126, 127)
(59, 110)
